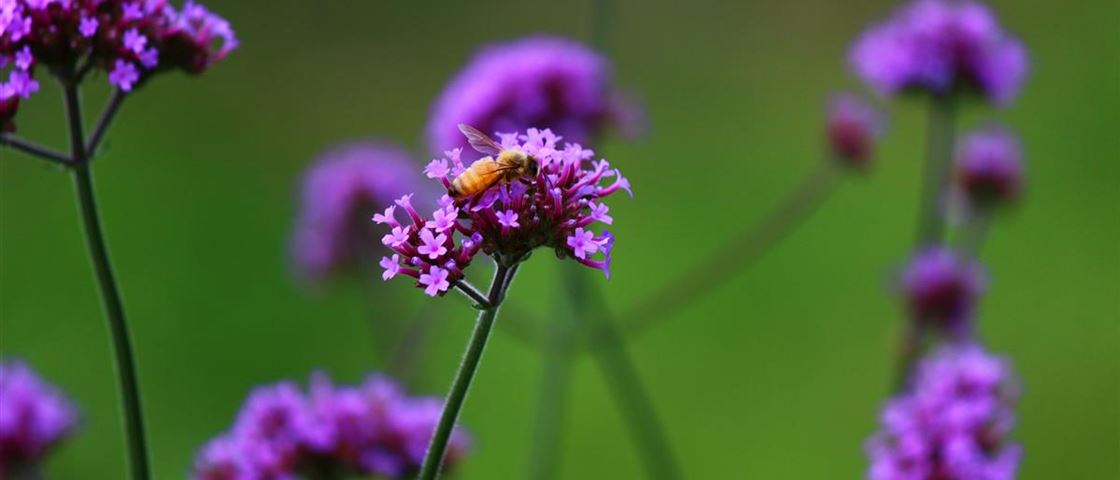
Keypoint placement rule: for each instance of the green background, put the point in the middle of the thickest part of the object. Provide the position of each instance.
(776, 374)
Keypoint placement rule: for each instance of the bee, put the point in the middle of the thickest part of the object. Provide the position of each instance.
(486, 172)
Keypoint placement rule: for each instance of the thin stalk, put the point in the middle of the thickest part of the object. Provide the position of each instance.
(974, 234)
(106, 119)
(738, 254)
(34, 149)
(110, 296)
(631, 399)
(931, 219)
(433, 459)
(556, 376)
(939, 150)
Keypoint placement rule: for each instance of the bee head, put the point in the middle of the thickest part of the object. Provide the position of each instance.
(531, 166)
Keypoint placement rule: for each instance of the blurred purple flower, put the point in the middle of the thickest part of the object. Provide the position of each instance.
(953, 424)
(34, 418)
(989, 169)
(942, 289)
(131, 40)
(543, 82)
(340, 192)
(334, 432)
(552, 209)
(853, 128)
(941, 46)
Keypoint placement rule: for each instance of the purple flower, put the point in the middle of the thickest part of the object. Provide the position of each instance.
(533, 82)
(124, 75)
(226, 459)
(34, 418)
(151, 33)
(392, 266)
(989, 169)
(942, 289)
(88, 26)
(443, 219)
(277, 423)
(437, 169)
(135, 41)
(507, 218)
(853, 128)
(435, 280)
(333, 233)
(552, 208)
(939, 46)
(357, 431)
(952, 424)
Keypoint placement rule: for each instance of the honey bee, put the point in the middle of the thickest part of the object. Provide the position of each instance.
(486, 172)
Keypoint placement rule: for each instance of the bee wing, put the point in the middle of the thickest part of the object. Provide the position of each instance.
(479, 140)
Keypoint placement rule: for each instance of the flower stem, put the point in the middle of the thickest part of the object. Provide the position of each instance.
(939, 149)
(110, 296)
(556, 375)
(931, 219)
(34, 149)
(736, 255)
(632, 400)
(438, 447)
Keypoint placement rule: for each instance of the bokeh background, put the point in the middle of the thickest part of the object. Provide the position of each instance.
(777, 374)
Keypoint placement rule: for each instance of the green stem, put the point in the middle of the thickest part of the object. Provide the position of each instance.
(556, 375)
(735, 256)
(110, 296)
(931, 219)
(631, 399)
(462, 383)
(939, 151)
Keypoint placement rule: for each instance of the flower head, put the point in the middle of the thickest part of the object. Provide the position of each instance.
(940, 46)
(952, 424)
(370, 429)
(130, 40)
(533, 82)
(942, 288)
(34, 418)
(989, 169)
(555, 207)
(333, 233)
(853, 128)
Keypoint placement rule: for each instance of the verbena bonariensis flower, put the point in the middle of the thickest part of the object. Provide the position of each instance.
(130, 40)
(332, 433)
(553, 208)
(543, 82)
(34, 418)
(989, 169)
(853, 128)
(952, 424)
(940, 46)
(942, 289)
(333, 233)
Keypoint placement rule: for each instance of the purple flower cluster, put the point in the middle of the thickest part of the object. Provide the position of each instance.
(942, 289)
(34, 418)
(555, 208)
(544, 82)
(940, 46)
(130, 40)
(333, 232)
(989, 169)
(334, 432)
(953, 424)
(853, 128)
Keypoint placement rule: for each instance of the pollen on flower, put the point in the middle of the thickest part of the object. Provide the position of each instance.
(555, 208)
